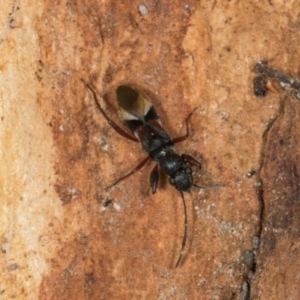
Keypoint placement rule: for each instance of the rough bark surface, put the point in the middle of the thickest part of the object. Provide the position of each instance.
(63, 236)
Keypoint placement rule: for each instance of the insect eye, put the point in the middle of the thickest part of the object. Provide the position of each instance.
(172, 181)
(188, 170)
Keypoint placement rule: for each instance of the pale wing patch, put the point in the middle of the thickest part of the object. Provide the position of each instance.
(125, 115)
(147, 106)
(134, 108)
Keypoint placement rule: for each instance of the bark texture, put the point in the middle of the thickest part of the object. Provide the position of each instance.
(63, 236)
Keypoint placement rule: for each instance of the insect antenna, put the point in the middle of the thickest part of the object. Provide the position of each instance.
(116, 127)
(185, 232)
(185, 218)
(211, 187)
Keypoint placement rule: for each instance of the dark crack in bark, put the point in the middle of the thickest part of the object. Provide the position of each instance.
(246, 287)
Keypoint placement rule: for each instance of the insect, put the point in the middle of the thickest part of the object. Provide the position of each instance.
(107, 203)
(285, 81)
(259, 86)
(250, 173)
(139, 115)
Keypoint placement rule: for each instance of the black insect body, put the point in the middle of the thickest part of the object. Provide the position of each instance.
(140, 117)
(259, 86)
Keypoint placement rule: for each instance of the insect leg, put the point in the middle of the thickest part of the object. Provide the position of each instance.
(137, 168)
(154, 177)
(116, 127)
(191, 160)
(184, 137)
(185, 232)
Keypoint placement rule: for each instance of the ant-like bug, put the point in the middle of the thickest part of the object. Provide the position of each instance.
(140, 117)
